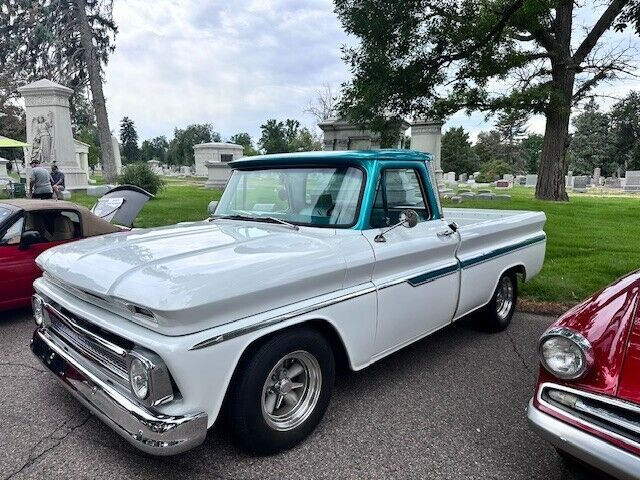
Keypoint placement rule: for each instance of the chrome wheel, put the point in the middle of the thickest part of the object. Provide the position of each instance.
(504, 297)
(291, 391)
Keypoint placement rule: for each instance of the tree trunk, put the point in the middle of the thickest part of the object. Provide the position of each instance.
(553, 161)
(97, 95)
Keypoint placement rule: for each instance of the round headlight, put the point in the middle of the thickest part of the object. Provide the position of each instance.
(139, 379)
(565, 353)
(38, 309)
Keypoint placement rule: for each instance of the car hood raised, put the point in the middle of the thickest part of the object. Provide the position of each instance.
(201, 275)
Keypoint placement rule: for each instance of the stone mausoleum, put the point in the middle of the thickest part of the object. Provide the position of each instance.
(211, 161)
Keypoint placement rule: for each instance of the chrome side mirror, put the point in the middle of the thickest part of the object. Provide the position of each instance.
(408, 219)
(212, 207)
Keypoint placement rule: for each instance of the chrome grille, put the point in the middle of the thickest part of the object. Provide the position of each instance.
(610, 414)
(114, 363)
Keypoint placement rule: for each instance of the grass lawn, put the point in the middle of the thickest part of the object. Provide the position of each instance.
(591, 241)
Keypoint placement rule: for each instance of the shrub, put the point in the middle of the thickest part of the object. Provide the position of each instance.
(142, 176)
(492, 171)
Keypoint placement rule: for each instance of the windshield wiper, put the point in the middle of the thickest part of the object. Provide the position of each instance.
(258, 219)
(282, 222)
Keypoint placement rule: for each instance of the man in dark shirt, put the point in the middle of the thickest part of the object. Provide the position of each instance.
(57, 181)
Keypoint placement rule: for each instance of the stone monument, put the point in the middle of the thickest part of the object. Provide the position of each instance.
(426, 136)
(82, 155)
(596, 176)
(49, 130)
(632, 181)
(531, 180)
(116, 154)
(154, 165)
(580, 183)
(339, 134)
(4, 176)
(218, 153)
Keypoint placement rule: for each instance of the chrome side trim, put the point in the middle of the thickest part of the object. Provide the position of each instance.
(280, 318)
(588, 448)
(600, 398)
(499, 252)
(147, 430)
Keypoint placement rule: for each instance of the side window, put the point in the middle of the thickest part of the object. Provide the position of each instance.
(398, 189)
(13, 233)
(54, 225)
(74, 218)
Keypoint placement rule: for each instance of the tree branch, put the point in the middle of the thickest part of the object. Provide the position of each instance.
(602, 25)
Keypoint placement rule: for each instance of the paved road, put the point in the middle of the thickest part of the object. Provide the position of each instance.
(449, 407)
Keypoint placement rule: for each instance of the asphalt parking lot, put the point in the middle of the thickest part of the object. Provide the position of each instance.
(449, 407)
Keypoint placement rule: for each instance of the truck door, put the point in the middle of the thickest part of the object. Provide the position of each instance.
(416, 270)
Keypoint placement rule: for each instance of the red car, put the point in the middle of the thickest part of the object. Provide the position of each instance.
(587, 400)
(29, 227)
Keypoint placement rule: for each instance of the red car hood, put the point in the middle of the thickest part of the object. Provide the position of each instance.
(609, 321)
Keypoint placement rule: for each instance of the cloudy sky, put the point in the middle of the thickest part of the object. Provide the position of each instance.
(232, 64)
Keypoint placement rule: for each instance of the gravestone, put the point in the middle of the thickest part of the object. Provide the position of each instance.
(569, 179)
(485, 196)
(502, 197)
(612, 182)
(116, 154)
(426, 136)
(219, 154)
(580, 183)
(531, 180)
(49, 130)
(508, 177)
(456, 199)
(503, 184)
(596, 176)
(185, 171)
(463, 178)
(450, 177)
(632, 181)
(82, 156)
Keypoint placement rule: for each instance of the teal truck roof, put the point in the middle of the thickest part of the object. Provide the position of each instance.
(332, 157)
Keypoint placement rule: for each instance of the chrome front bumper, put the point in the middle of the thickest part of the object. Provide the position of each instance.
(153, 433)
(584, 446)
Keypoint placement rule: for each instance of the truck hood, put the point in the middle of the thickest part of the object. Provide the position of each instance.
(202, 275)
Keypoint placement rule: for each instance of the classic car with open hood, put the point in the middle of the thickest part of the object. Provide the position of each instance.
(29, 227)
(587, 400)
(309, 260)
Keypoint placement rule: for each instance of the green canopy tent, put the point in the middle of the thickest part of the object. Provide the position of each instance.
(9, 143)
(6, 142)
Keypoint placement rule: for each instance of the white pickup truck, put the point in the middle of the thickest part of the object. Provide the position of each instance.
(309, 260)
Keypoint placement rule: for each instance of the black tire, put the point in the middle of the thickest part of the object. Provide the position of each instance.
(249, 419)
(496, 315)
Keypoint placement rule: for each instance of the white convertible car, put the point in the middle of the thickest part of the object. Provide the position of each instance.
(309, 260)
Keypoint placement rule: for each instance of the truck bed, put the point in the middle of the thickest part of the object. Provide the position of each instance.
(465, 217)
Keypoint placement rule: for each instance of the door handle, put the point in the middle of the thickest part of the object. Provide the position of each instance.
(445, 233)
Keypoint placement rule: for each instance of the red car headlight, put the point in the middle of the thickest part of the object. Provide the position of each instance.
(565, 353)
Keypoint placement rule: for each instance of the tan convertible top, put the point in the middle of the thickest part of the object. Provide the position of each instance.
(91, 225)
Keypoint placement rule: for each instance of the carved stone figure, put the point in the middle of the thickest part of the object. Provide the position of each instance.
(42, 132)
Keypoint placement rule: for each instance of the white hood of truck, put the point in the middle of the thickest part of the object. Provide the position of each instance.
(201, 275)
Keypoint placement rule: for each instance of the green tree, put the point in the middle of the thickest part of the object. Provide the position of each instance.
(67, 41)
(129, 140)
(492, 171)
(457, 153)
(490, 147)
(532, 150)
(13, 125)
(287, 136)
(154, 148)
(244, 139)
(625, 133)
(180, 150)
(435, 57)
(512, 127)
(89, 135)
(591, 141)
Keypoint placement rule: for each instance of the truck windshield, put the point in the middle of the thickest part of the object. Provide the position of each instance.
(302, 196)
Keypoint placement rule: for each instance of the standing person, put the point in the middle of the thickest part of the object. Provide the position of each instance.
(57, 181)
(40, 182)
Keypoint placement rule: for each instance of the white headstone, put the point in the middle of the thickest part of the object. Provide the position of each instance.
(49, 130)
(116, 154)
(531, 180)
(632, 181)
(596, 176)
(82, 156)
(426, 136)
(508, 177)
